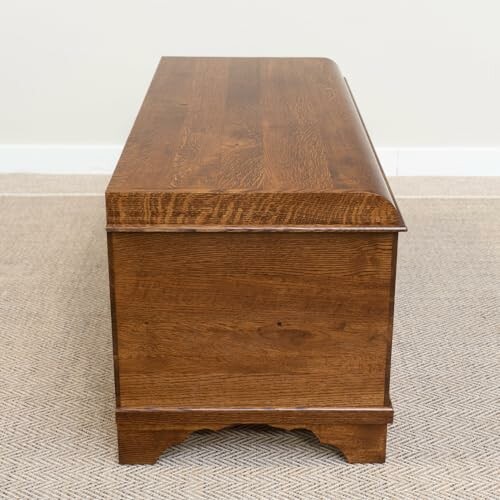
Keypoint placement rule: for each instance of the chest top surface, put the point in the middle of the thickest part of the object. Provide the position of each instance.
(249, 143)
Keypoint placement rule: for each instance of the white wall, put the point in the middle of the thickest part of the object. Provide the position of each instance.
(425, 73)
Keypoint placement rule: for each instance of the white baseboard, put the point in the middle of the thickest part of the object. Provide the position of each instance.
(101, 159)
(440, 161)
(58, 159)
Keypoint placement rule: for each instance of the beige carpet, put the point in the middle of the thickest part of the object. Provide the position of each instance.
(57, 431)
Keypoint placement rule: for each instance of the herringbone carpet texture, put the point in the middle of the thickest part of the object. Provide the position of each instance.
(57, 431)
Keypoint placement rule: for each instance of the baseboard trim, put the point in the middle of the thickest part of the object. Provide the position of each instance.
(59, 159)
(101, 159)
(456, 161)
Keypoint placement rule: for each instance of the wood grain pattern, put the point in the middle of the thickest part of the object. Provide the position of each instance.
(249, 142)
(252, 319)
(252, 242)
(360, 444)
(360, 434)
(158, 418)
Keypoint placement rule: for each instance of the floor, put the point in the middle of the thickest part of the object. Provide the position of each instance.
(57, 431)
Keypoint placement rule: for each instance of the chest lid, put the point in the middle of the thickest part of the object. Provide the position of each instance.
(224, 144)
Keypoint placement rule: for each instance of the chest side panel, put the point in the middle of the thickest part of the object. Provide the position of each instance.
(252, 319)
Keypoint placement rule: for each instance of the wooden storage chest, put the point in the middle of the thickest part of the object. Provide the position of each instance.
(252, 243)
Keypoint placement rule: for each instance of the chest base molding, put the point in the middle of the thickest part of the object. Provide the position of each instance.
(359, 433)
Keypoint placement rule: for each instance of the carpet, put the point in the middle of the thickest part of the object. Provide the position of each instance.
(57, 430)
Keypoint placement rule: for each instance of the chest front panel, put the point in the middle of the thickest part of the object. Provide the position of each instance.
(252, 319)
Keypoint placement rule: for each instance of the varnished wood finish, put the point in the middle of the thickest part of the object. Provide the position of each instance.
(252, 319)
(199, 418)
(360, 434)
(249, 142)
(252, 251)
(359, 443)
